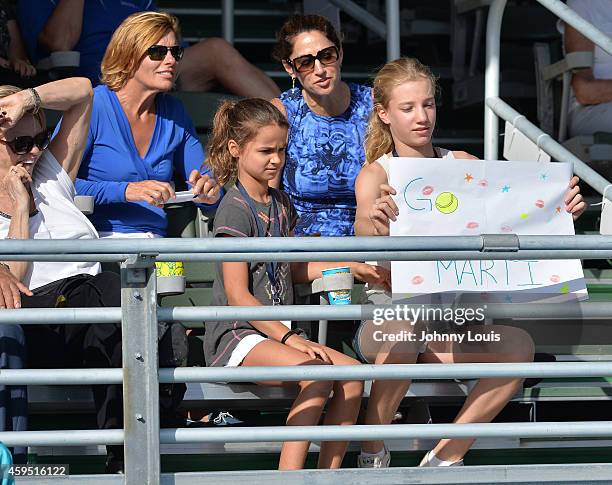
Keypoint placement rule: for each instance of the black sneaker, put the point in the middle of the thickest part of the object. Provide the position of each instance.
(114, 464)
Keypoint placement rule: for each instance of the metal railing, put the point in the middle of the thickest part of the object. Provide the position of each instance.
(496, 107)
(390, 31)
(140, 375)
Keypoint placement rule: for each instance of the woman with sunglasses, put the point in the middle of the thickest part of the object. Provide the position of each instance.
(327, 122)
(37, 202)
(139, 134)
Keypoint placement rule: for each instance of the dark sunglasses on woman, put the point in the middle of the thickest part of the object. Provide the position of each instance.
(326, 56)
(158, 52)
(24, 144)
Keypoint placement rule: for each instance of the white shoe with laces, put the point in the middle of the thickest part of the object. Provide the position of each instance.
(382, 460)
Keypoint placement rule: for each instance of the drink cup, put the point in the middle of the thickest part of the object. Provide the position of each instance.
(338, 297)
(170, 277)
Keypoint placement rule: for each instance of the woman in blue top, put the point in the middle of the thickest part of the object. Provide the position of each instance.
(139, 134)
(327, 123)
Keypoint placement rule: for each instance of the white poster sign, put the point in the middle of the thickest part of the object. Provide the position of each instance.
(446, 197)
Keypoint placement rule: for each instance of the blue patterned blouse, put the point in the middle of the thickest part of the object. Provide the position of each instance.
(324, 156)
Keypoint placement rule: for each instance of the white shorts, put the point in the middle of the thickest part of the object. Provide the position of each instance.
(243, 348)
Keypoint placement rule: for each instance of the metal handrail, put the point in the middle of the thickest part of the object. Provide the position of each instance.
(279, 246)
(139, 314)
(71, 316)
(494, 107)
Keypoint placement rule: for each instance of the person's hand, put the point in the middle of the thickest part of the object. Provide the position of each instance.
(205, 189)
(12, 108)
(11, 289)
(372, 274)
(152, 192)
(574, 202)
(383, 210)
(5, 63)
(312, 349)
(24, 68)
(14, 183)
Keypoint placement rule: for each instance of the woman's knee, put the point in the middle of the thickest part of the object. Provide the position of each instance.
(349, 389)
(515, 345)
(320, 388)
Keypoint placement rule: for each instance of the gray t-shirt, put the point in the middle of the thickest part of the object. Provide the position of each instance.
(235, 218)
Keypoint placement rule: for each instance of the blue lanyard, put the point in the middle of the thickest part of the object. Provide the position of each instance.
(271, 267)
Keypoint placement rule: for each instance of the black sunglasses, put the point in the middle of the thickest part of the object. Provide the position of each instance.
(158, 52)
(24, 144)
(326, 56)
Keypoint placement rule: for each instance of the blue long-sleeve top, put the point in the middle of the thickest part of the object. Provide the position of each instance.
(111, 161)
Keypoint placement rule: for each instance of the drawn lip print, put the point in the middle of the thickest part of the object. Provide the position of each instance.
(539, 203)
(427, 190)
(472, 225)
(417, 280)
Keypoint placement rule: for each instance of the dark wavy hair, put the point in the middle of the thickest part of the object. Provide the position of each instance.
(296, 25)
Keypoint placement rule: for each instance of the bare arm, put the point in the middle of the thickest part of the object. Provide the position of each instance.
(63, 29)
(276, 181)
(368, 194)
(15, 184)
(16, 48)
(19, 230)
(587, 89)
(369, 273)
(74, 97)
(17, 54)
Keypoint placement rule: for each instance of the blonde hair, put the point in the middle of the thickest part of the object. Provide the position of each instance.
(8, 90)
(238, 121)
(130, 42)
(394, 73)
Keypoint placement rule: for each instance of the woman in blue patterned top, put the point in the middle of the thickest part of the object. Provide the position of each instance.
(328, 120)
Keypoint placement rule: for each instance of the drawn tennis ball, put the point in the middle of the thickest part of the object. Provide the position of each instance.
(447, 203)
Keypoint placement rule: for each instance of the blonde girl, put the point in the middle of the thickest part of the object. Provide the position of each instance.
(402, 124)
(248, 147)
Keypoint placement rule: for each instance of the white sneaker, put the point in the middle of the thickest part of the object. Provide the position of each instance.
(431, 460)
(374, 461)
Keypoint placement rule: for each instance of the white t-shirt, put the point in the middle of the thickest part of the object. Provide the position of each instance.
(57, 218)
(599, 13)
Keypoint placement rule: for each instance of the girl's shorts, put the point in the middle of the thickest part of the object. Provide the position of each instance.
(389, 336)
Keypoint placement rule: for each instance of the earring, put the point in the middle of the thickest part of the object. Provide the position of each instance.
(292, 82)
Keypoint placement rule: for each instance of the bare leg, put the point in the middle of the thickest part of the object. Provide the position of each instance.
(215, 61)
(308, 406)
(489, 396)
(386, 396)
(343, 409)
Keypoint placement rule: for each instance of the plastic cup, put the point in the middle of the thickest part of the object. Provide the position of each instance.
(338, 297)
(170, 279)
(169, 269)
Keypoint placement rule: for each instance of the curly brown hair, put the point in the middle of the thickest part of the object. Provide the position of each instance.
(238, 121)
(296, 25)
